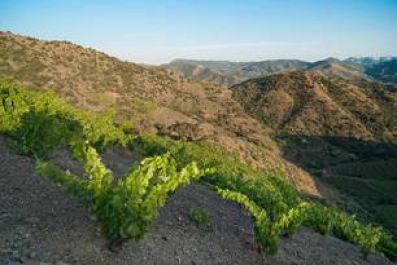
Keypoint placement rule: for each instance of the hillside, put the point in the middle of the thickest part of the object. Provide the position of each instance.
(150, 98)
(198, 72)
(85, 136)
(93, 191)
(230, 73)
(341, 132)
(62, 230)
(385, 71)
(309, 103)
(366, 62)
(336, 69)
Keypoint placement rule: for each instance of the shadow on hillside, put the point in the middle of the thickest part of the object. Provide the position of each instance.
(363, 172)
(318, 152)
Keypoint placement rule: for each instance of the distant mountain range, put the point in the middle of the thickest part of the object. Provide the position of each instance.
(229, 73)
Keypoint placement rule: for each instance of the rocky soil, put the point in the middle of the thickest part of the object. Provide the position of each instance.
(41, 224)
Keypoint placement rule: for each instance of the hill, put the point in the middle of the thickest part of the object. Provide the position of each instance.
(196, 71)
(230, 73)
(341, 132)
(366, 62)
(149, 132)
(309, 103)
(100, 186)
(334, 68)
(384, 71)
(150, 98)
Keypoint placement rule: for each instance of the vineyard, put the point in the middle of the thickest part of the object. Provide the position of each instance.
(127, 206)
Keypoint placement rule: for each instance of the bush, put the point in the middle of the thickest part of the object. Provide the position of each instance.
(128, 206)
(40, 122)
(199, 216)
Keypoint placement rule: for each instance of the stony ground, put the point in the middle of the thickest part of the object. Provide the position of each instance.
(41, 224)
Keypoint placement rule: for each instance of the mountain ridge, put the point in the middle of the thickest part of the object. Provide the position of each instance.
(229, 73)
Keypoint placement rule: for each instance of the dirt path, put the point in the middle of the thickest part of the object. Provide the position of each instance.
(41, 224)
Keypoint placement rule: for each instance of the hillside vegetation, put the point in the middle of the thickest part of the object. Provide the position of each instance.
(127, 208)
(343, 133)
(151, 99)
(297, 145)
(306, 103)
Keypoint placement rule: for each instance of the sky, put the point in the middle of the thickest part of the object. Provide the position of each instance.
(155, 32)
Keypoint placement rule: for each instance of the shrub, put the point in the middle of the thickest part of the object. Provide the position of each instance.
(40, 122)
(128, 206)
(199, 217)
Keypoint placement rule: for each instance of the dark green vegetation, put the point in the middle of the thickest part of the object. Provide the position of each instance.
(127, 206)
(363, 171)
(199, 216)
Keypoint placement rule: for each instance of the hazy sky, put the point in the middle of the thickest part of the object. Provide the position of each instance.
(158, 31)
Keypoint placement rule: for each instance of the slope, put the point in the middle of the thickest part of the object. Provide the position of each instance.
(62, 231)
(150, 98)
(38, 124)
(230, 73)
(344, 133)
(384, 71)
(308, 103)
(334, 68)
